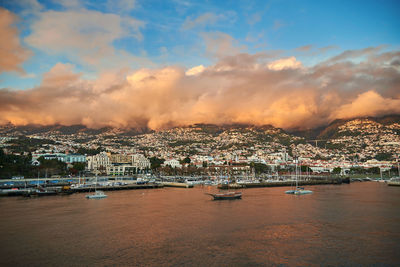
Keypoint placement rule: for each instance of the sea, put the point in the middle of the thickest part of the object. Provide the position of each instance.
(338, 225)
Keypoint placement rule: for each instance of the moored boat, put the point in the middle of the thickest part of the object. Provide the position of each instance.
(298, 190)
(227, 195)
(96, 195)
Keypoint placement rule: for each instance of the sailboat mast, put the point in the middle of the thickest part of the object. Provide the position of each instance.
(398, 167)
(296, 175)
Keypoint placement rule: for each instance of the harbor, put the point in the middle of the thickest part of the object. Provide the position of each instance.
(137, 227)
(66, 186)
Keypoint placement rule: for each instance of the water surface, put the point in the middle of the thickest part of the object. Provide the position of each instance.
(346, 225)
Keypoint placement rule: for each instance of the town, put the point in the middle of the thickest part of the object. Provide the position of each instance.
(358, 146)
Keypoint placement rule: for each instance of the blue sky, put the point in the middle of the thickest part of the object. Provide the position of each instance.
(157, 64)
(175, 32)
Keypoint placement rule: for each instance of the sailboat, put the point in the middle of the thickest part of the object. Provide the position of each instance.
(97, 193)
(298, 190)
(226, 196)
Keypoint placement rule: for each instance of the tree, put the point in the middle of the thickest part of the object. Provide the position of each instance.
(186, 160)
(15, 165)
(357, 170)
(305, 168)
(259, 167)
(337, 170)
(156, 162)
(79, 166)
(374, 170)
(383, 156)
(204, 164)
(52, 166)
(87, 151)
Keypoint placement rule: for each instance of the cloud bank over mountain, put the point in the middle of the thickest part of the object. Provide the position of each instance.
(238, 88)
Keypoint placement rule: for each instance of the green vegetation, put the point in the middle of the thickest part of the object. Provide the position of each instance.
(305, 169)
(337, 170)
(349, 133)
(334, 146)
(359, 170)
(156, 162)
(383, 156)
(181, 143)
(186, 160)
(89, 152)
(260, 167)
(26, 144)
(52, 167)
(14, 165)
(21, 165)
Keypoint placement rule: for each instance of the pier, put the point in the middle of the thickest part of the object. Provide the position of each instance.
(173, 184)
(325, 181)
(118, 187)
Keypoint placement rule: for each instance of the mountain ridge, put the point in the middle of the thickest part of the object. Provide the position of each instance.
(322, 132)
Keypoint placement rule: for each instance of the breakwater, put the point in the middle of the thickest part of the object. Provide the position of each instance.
(325, 181)
(118, 187)
(60, 191)
(173, 184)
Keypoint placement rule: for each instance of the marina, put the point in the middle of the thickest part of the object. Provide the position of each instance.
(354, 224)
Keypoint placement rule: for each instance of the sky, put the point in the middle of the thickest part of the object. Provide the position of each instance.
(159, 64)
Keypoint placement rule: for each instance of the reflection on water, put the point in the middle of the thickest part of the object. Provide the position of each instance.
(348, 225)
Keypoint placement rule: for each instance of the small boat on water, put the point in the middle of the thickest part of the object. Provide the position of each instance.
(298, 190)
(40, 192)
(97, 194)
(226, 196)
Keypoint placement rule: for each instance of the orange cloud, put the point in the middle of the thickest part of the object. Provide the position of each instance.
(285, 63)
(369, 103)
(241, 88)
(83, 35)
(12, 54)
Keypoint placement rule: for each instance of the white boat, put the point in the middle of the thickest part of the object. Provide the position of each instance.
(97, 194)
(298, 190)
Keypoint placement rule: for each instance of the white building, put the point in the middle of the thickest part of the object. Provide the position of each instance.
(67, 158)
(173, 163)
(71, 158)
(121, 170)
(98, 162)
(140, 162)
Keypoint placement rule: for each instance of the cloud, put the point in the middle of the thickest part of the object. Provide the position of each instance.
(83, 35)
(121, 6)
(278, 24)
(305, 48)
(12, 53)
(206, 19)
(254, 18)
(202, 20)
(70, 4)
(350, 54)
(195, 70)
(219, 45)
(327, 48)
(239, 88)
(28, 7)
(285, 63)
(369, 103)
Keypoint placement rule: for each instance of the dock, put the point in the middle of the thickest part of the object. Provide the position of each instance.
(58, 189)
(174, 184)
(118, 187)
(336, 181)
